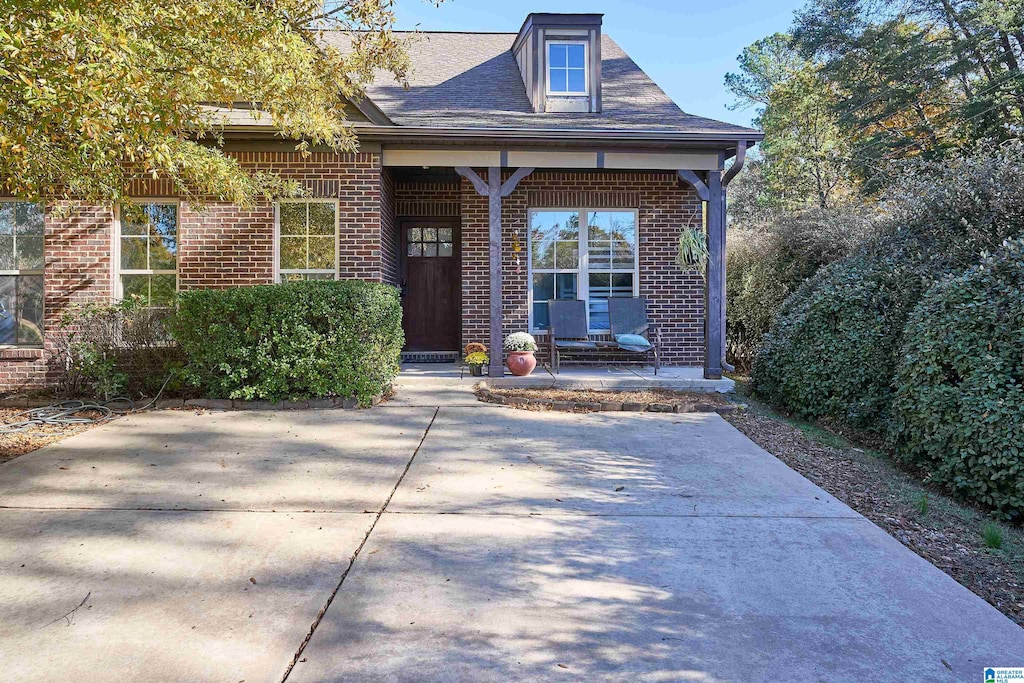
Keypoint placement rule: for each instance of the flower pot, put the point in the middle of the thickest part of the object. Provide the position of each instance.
(476, 370)
(521, 363)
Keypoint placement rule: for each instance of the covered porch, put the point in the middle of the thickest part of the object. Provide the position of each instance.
(460, 226)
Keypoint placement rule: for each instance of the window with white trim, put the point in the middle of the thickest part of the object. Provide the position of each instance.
(307, 240)
(586, 254)
(147, 244)
(21, 273)
(567, 67)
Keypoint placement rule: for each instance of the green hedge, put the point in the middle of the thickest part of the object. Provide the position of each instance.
(832, 350)
(298, 340)
(958, 412)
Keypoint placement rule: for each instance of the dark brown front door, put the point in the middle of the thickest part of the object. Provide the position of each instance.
(431, 284)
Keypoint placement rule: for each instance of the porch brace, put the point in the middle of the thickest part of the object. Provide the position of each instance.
(494, 190)
(713, 191)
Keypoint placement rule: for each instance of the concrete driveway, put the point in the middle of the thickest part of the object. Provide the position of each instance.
(462, 542)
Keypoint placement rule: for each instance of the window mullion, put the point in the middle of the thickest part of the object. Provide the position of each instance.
(583, 277)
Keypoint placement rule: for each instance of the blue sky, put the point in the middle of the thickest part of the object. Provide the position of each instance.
(686, 46)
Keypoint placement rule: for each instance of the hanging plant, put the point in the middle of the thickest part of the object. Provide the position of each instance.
(693, 251)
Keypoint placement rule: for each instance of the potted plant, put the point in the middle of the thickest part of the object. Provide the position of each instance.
(476, 358)
(520, 347)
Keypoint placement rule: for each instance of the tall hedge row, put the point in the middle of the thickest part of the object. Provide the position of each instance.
(958, 410)
(296, 340)
(833, 348)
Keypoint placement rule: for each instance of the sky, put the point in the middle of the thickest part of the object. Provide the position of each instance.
(686, 46)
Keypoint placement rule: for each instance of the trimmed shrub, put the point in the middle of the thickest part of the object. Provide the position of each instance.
(298, 340)
(958, 411)
(121, 350)
(832, 349)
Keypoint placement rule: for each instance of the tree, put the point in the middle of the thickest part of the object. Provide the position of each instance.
(916, 78)
(94, 93)
(805, 153)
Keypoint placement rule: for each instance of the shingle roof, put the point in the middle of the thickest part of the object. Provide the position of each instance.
(471, 80)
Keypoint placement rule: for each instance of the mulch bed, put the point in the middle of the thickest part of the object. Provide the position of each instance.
(593, 400)
(947, 534)
(13, 445)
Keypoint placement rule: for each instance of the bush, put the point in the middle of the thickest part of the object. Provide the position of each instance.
(768, 261)
(958, 412)
(110, 351)
(832, 349)
(298, 340)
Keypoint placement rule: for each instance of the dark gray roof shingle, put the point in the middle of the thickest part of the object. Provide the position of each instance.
(471, 80)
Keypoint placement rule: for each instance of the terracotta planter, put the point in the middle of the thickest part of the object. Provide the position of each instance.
(521, 363)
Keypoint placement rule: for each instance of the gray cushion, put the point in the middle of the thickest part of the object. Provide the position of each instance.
(575, 344)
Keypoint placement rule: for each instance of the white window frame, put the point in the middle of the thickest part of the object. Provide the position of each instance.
(583, 269)
(586, 68)
(277, 238)
(116, 288)
(17, 272)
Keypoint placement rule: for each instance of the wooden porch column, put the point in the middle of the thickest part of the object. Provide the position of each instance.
(714, 325)
(494, 190)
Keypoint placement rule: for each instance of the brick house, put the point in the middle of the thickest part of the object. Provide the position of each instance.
(515, 168)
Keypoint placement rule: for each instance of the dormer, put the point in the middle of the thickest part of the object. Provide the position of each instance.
(559, 57)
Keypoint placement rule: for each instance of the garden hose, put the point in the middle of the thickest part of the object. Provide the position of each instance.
(77, 412)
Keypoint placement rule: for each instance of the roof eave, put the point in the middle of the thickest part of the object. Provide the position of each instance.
(560, 134)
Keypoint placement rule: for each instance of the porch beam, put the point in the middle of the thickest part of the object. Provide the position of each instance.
(470, 175)
(494, 190)
(509, 186)
(714, 324)
(694, 180)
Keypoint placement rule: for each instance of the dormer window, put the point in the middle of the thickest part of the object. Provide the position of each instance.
(559, 58)
(567, 67)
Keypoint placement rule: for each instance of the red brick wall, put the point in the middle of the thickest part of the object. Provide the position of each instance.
(76, 271)
(225, 245)
(222, 245)
(427, 199)
(675, 299)
(389, 238)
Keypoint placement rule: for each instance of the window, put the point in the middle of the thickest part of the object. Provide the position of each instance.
(307, 246)
(429, 242)
(567, 68)
(148, 252)
(21, 273)
(581, 254)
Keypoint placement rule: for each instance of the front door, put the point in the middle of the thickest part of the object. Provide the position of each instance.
(431, 284)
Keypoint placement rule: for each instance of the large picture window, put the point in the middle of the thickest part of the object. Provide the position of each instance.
(307, 240)
(148, 252)
(581, 254)
(21, 273)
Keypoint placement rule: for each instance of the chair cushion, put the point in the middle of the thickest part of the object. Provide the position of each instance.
(632, 342)
(575, 344)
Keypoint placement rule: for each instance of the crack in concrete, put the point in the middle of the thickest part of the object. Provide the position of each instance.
(355, 555)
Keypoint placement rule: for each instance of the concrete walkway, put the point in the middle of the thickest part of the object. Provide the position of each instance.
(440, 539)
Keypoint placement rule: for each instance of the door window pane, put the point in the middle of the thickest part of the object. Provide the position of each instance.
(429, 242)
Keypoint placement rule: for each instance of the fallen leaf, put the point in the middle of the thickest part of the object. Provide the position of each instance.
(619, 488)
(252, 580)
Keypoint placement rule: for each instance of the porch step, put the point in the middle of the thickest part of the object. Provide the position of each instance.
(430, 356)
